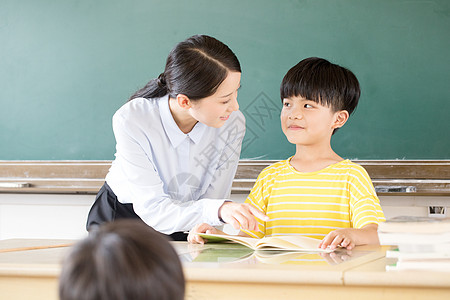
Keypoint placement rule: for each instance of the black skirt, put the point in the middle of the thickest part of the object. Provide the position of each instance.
(107, 208)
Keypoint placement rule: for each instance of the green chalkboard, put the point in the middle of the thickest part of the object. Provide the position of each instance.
(67, 66)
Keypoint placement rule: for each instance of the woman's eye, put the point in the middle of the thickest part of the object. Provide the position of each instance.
(226, 102)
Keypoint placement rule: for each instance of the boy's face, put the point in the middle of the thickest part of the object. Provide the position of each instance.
(305, 122)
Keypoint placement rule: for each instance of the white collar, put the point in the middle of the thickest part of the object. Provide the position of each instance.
(174, 133)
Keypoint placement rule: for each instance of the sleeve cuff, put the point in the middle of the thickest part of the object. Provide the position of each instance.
(211, 211)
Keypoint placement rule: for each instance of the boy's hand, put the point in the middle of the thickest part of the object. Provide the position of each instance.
(351, 237)
(194, 238)
(241, 215)
(345, 238)
(335, 258)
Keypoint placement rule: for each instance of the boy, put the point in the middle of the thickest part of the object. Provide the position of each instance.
(315, 193)
(125, 259)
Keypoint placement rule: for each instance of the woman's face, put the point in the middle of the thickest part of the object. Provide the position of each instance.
(214, 110)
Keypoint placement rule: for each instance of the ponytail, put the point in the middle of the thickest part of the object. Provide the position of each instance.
(155, 88)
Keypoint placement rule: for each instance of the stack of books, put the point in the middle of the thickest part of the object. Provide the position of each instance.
(423, 243)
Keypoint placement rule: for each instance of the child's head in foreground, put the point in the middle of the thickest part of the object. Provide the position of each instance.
(125, 259)
(323, 82)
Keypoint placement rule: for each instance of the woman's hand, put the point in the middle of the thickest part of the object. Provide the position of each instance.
(241, 215)
(194, 238)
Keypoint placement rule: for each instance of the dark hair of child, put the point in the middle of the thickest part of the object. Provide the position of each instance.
(125, 259)
(323, 82)
(195, 68)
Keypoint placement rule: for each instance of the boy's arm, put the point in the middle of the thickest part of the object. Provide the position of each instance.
(365, 210)
(351, 237)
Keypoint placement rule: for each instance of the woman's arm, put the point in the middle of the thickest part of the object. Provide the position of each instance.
(136, 180)
(140, 183)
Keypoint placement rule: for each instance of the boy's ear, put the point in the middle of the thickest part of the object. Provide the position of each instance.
(341, 118)
(184, 101)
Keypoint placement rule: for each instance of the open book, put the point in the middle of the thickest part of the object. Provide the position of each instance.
(244, 254)
(287, 243)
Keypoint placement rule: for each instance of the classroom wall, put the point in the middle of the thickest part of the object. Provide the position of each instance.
(47, 216)
(67, 66)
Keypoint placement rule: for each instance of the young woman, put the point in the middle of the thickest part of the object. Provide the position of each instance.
(178, 144)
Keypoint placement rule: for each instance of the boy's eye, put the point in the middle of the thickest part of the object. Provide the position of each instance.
(308, 106)
(287, 104)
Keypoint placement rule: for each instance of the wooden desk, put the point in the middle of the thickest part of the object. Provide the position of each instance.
(307, 276)
(362, 275)
(229, 272)
(371, 281)
(30, 274)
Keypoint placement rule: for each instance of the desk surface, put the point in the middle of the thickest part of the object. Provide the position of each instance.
(237, 267)
(32, 257)
(363, 266)
(231, 262)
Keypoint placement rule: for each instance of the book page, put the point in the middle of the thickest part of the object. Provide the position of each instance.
(292, 243)
(246, 241)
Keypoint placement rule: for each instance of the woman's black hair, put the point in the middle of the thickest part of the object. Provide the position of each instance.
(195, 67)
(323, 82)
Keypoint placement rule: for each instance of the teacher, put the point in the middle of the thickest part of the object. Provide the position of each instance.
(178, 141)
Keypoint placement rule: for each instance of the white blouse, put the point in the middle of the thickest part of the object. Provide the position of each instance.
(174, 180)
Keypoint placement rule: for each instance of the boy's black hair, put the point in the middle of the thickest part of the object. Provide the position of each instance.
(323, 82)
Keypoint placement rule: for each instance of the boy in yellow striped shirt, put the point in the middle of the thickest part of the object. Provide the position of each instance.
(314, 193)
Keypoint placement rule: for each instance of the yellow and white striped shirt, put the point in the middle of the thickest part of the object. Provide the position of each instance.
(313, 204)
